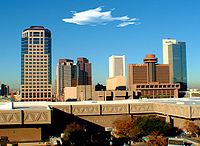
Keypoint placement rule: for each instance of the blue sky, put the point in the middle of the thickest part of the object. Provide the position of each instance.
(156, 19)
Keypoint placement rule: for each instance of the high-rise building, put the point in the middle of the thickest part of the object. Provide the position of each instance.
(174, 53)
(66, 75)
(166, 43)
(4, 90)
(84, 69)
(151, 79)
(36, 78)
(70, 75)
(151, 61)
(148, 72)
(116, 66)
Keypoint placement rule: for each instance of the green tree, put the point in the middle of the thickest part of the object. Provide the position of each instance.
(142, 126)
(151, 123)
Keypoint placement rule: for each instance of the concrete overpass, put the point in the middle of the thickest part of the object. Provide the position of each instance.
(41, 115)
(41, 112)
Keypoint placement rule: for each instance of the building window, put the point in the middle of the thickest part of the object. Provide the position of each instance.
(36, 34)
(35, 40)
(41, 41)
(30, 41)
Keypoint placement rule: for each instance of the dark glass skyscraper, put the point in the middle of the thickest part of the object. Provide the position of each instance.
(177, 60)
(174, 53)
(84, 71)
(36, 77)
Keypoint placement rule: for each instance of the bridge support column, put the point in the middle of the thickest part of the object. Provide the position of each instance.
(169, 119)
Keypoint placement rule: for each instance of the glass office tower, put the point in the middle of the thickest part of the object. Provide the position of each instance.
(84, 71)
(177, 60)
(36, 77)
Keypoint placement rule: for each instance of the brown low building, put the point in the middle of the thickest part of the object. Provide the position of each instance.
(157, 90)
(112, 95)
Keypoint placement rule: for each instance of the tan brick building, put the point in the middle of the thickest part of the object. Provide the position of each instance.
(36, 77)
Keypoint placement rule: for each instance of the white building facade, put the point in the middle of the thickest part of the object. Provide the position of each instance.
(116, 66)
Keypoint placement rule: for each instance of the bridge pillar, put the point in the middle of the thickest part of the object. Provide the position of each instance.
(169, 119)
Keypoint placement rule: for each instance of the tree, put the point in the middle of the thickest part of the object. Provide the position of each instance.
(135, 133)
(141, 126)
(192, 128)
(74, 134)
(150, 124)
(100, 87)
(122, 127)
(156, 139)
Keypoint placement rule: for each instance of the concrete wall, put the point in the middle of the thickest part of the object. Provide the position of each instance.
(84, 92)
(70, 93)
(104, 121)
(81, 92)
(114, 82)
(114, 95)
(22, 134)
(179, 122)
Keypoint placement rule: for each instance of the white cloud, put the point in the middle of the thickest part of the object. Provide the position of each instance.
(97, 16)
(123, 24)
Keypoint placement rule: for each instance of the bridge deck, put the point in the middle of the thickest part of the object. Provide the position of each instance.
(40, 112)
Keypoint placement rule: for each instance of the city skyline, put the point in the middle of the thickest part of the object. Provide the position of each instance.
(132, 32)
